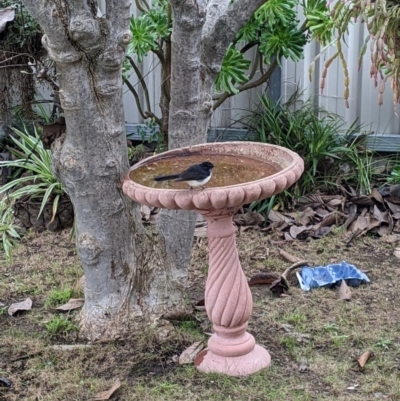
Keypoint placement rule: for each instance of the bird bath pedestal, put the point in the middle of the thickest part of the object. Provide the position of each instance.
(228, 301)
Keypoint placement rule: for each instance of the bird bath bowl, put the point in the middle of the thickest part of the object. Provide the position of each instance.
(244, 172)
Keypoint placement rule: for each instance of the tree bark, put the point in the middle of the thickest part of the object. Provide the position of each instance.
(120, 258)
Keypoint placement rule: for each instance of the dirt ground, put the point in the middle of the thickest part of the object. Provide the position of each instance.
(314, 338)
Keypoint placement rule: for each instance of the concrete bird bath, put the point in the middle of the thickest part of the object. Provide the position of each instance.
(244, 172)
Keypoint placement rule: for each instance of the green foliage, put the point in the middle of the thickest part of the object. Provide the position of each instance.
(159, 15)
(60, 325)
(249, 32)
(394, 176)
(280, 35)
(283, 41)
(59, 296)
(277, 12)
(319, 21)
(147, 29)
(384, 343)
(322, 140)
(34, 179)
(144, 36)
(8, 230)
(232, 71)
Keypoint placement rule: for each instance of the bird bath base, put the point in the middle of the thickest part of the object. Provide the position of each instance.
(228, 301)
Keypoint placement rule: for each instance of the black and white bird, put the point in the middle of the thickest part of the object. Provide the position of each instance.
(195, 176)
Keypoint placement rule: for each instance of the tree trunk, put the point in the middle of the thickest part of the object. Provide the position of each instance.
(187, 126)
(195, 63)
(120, 258)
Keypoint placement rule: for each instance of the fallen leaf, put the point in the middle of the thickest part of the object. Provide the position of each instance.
(106, 395)
(380, 216)
(190, 353)
(362, 200)
(313, 201)
(352, 211)
(248, 219)
(245, 228)
(303, 366)
(396, 252)
(53, 131)
(377, 196)
(329, 220)
(334, 202)
(275, 216)
(73, 303)
(200, 306)
(362, 360)
(344, 291)
(288, 256)
(279, 286)
(20, 306)
(299, 232)
(360, 224)
(6, 15)
(393, 207)
(352, 387)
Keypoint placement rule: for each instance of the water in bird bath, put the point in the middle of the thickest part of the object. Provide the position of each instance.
(228, 170)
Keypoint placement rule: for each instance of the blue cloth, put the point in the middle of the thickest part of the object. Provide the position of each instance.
(331, 274)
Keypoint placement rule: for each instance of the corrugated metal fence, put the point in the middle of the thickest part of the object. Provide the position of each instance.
(363, 100)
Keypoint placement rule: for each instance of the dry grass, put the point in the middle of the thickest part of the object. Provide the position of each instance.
(325, 333)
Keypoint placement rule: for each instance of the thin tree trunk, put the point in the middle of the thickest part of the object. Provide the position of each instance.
(187, 126)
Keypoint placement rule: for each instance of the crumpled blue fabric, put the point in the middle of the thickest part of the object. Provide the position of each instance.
(331, 274)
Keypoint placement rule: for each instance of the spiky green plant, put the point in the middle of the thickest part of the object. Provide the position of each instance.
(33, 178)
(8, 230)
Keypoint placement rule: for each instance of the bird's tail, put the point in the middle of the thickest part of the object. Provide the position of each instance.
(166, 177)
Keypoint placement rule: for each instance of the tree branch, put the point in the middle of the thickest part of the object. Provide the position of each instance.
(55, 29)
(160, 56)
(249, 45)
(142, 82)
(215, 8)
(140, 7)
(250, 85)
(136, 96)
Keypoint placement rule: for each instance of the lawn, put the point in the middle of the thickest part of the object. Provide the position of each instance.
(314, 338)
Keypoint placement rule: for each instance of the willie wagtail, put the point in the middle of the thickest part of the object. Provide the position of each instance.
(196, 175)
